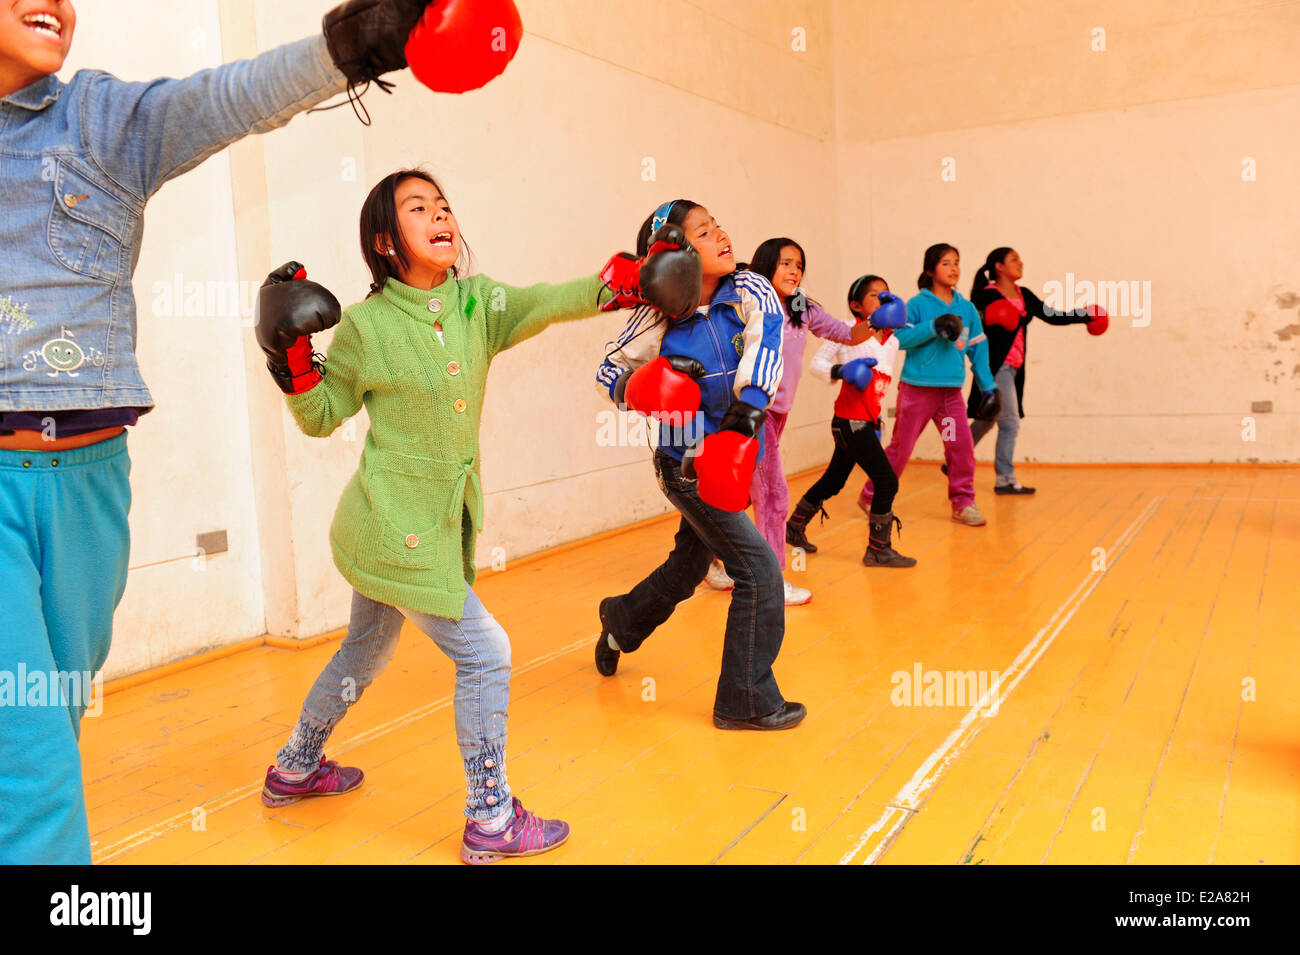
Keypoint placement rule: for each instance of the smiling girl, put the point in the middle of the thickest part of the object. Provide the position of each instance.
(415, 354)
(782, 262)
(79, 162)
(942, 332)
(731, 347)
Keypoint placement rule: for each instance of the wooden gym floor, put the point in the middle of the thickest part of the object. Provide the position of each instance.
(1147, 712)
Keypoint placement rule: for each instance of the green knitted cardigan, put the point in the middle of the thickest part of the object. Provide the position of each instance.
(406, 525)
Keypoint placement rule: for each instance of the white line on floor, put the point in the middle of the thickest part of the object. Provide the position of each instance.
(907, 800)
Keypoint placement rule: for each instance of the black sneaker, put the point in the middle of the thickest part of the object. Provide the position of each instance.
(1016, 488)
(606, 659)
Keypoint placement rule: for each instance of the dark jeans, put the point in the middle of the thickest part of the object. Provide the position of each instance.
(756, 618)
(856, 443)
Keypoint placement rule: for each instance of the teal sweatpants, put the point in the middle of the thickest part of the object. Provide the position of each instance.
(64, 543)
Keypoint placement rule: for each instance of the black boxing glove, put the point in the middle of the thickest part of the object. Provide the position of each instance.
(949, 326)
(669, 278)
(367, 38)
(290, 310)
(990, 406)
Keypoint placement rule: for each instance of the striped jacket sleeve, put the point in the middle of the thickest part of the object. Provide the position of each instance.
(760, 363)
(637, 344)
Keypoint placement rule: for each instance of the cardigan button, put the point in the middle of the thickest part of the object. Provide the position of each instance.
(412, 540)
(460, 406)
(453, 368)
(435, 305)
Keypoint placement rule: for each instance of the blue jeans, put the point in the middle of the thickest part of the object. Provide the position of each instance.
(478, 646)
(1008, 423)
(756, 618)
(64, 544)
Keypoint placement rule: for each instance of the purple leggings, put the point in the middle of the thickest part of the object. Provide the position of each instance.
(768, 490)
(946, 407)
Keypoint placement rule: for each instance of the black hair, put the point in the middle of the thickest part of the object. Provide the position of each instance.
(861, 285)
(932, 256)
(988, 272)
(379, 218)
(676, 216)
(764, 262)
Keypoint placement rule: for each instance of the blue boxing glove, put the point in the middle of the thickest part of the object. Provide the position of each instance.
(857, 373)
(890, 313)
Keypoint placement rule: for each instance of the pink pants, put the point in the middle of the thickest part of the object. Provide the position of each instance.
(768, 491)
(946, 407)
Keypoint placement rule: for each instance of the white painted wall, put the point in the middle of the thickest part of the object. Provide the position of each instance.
(1117, 165)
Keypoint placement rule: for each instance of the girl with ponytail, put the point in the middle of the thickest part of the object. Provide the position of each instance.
(1007, 310)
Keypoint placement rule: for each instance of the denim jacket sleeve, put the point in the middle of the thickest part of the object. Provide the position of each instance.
(146, 133)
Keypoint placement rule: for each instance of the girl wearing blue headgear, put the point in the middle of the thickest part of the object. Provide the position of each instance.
(864, 371)
(730, 346)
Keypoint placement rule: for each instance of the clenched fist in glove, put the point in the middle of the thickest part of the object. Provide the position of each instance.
(290, 310)
(663, 388)
(723, 463)
(948, 326)
(857, 373)
(366, 38)
(990, 406)
(669, 278)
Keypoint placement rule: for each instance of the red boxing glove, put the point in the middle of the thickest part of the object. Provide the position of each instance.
(1098, 321)
(664, 388)
(668, 278)
(461, 45)
(723, 464)
(1003, 314)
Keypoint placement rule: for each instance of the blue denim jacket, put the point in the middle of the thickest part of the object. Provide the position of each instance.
(78, 161)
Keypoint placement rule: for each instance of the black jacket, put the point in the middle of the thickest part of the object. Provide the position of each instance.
(1000, 338)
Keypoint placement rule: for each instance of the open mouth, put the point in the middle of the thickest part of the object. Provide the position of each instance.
(46, 24)
(442, 240)
(724, 252)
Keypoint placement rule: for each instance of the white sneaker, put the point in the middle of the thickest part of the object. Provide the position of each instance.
(970, 515)
(717, 577)
(796, 596)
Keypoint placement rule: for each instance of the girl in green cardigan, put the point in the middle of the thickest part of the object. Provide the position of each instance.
(415, 354)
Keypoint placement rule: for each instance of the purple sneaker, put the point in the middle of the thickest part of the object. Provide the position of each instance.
(524, 835)
(330, 779)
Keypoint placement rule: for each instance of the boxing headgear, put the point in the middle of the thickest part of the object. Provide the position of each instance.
(660, 217)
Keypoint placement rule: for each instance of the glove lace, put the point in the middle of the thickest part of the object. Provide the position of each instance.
(354, 97)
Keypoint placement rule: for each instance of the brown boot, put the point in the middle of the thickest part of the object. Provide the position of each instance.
(798, 522)
(879, 552)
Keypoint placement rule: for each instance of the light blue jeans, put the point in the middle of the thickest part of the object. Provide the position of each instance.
(1008, 423)
(478, 646)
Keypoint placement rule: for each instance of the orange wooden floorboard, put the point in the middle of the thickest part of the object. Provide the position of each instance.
(1130, 739)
